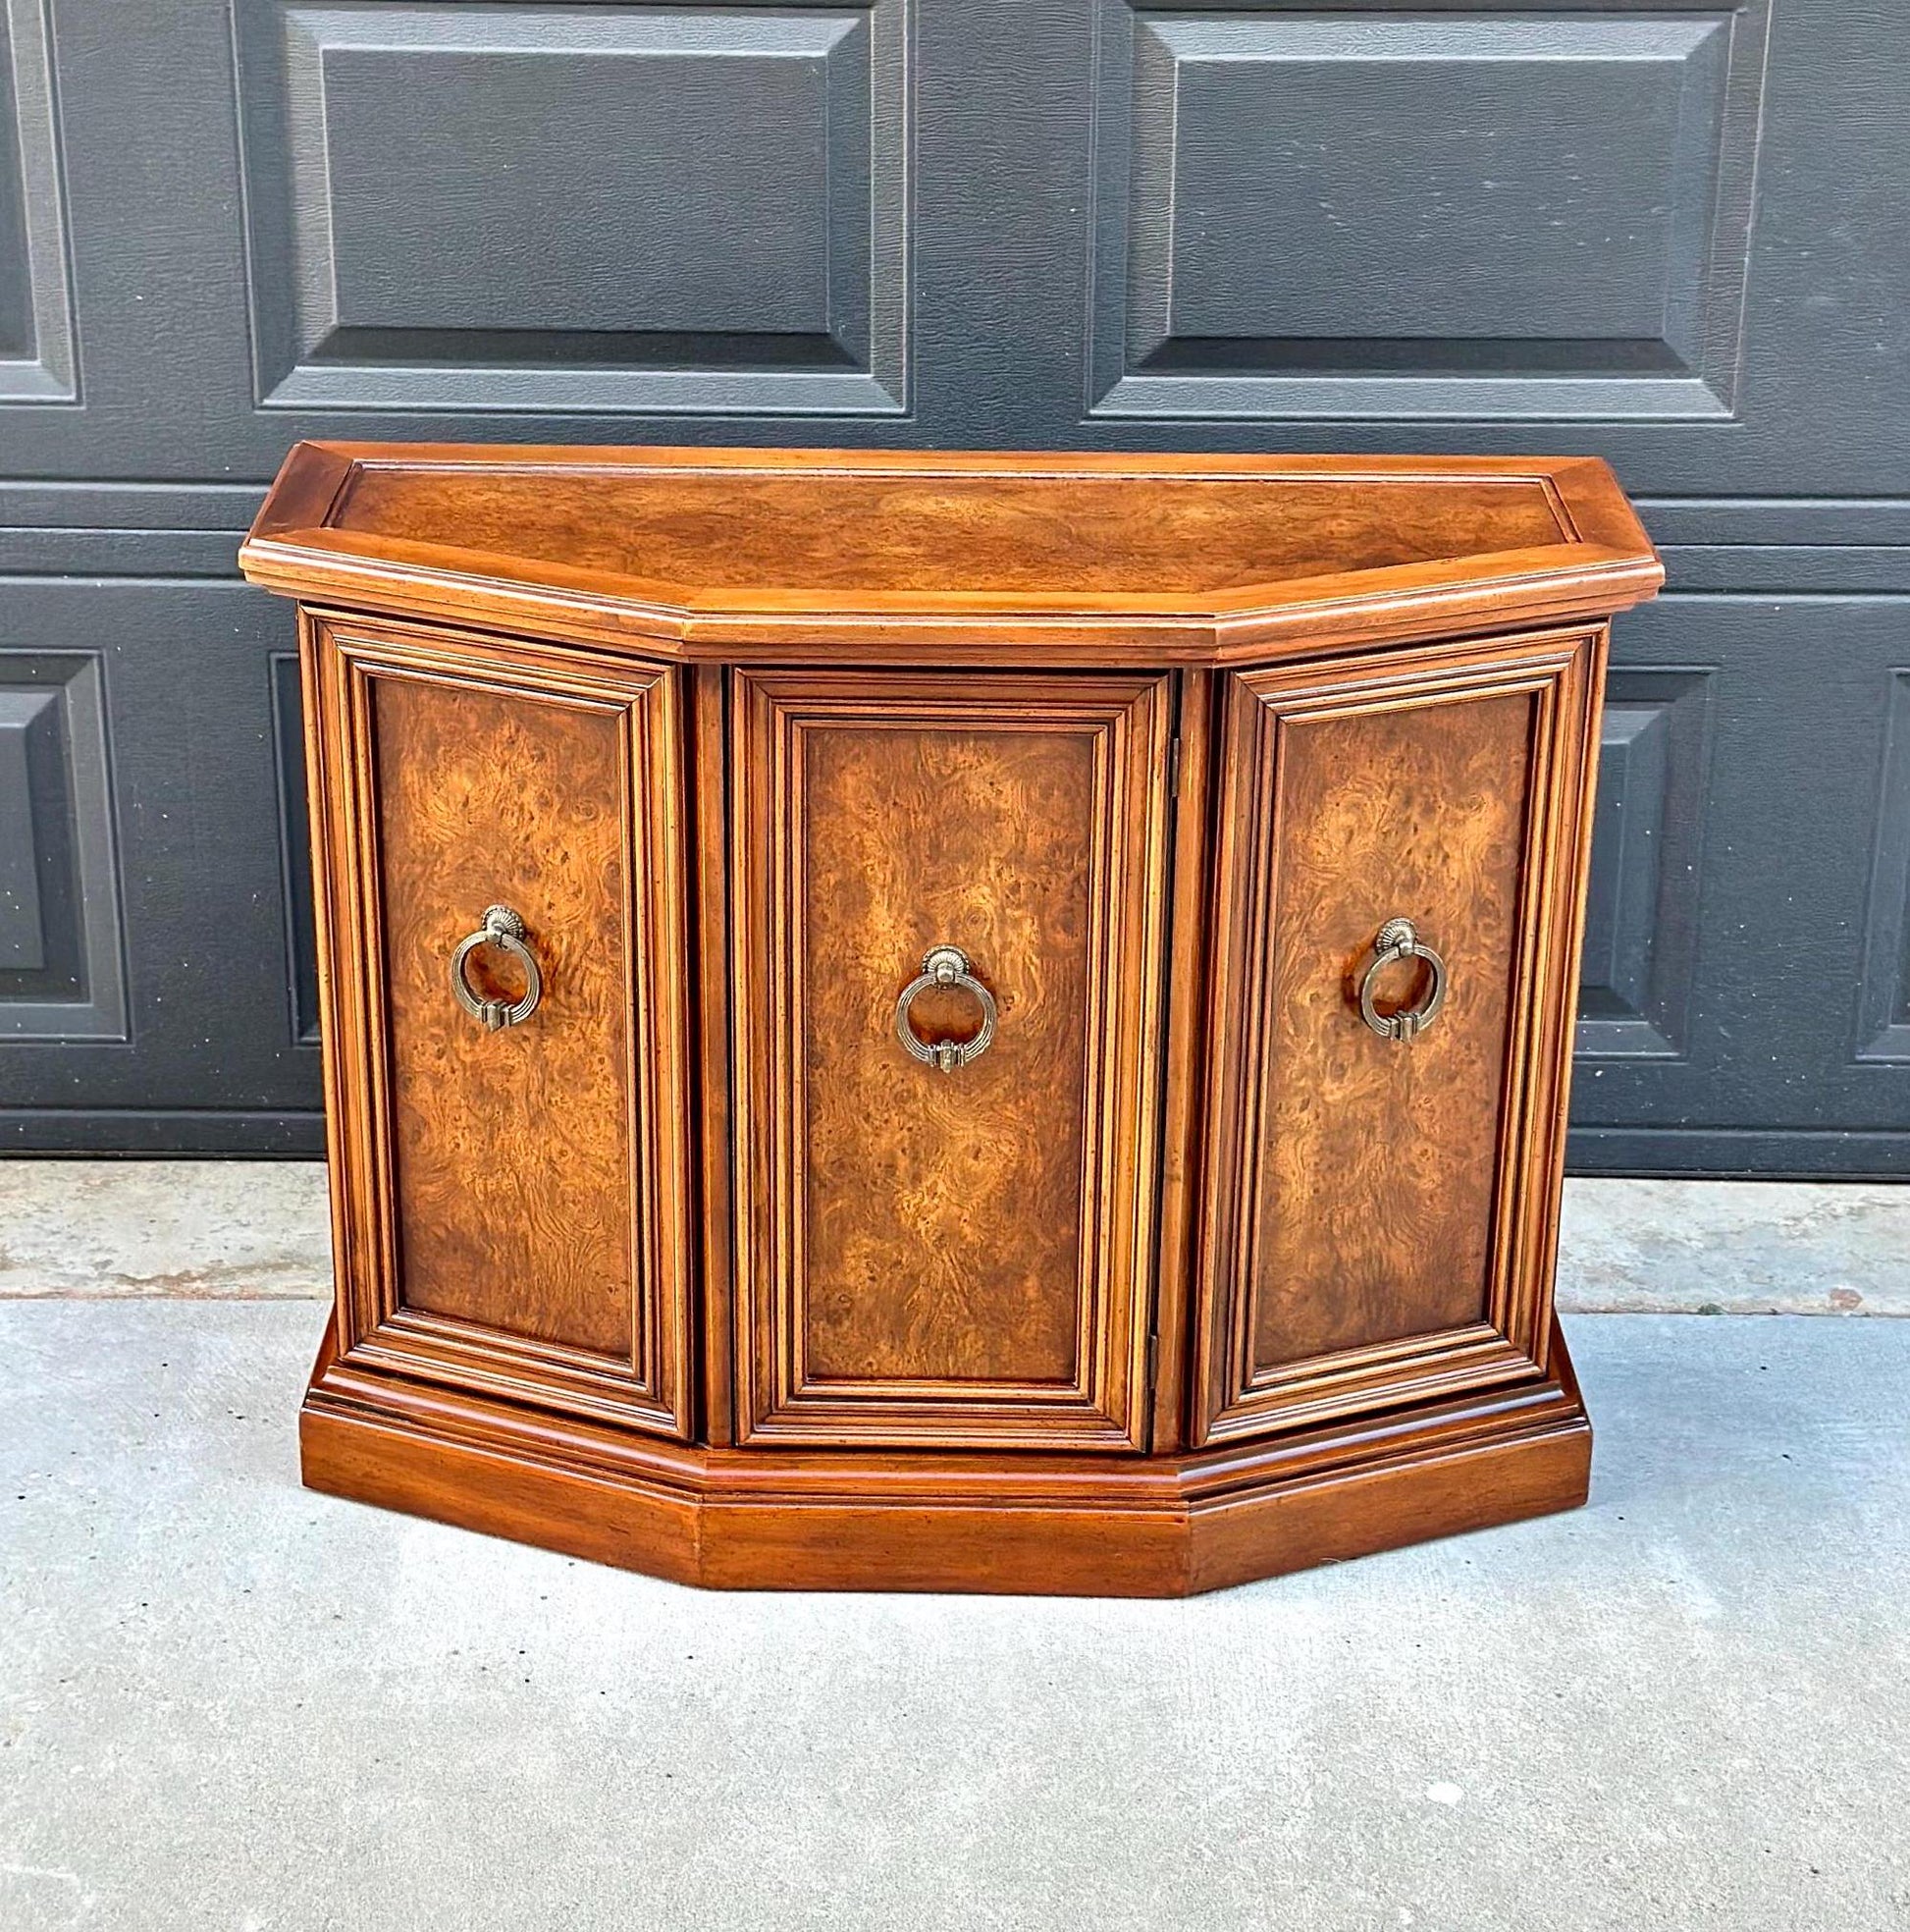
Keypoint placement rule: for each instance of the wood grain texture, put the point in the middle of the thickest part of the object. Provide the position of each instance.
(1368, 1205)
(930, 529)
(950, 1253)
(1101, 561)
(513, 1148)
(942, 1213)
(1378, 1158)
(517, 1198)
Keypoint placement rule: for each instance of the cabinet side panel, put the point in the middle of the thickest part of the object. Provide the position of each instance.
(1379, 1202)
(339, 991)
(512, 1148)
(1377, 1157)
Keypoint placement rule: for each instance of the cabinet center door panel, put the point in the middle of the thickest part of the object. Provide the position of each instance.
(1380, 1207)
(947, 1255)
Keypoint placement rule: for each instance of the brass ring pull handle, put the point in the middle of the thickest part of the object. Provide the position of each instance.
(945, 966)
(504, 930)
(1399, 938)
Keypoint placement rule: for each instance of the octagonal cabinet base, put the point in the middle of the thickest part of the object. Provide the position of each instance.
(1158, 1525)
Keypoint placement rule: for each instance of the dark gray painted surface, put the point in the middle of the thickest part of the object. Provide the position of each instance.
(1678, 235)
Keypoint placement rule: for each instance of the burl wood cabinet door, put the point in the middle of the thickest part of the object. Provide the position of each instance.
(515, 1217)
(1380, 1212)
(951, 1254)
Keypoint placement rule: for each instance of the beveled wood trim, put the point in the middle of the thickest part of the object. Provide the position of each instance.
(963, 1475)
(776, 1400)
(338, 1022)
(652, 1387)
(1560, 942)
(1602, 562)
(1363, 612)
(1032, 1524)
(714, 1050)
(1190, 918)
(1234, 1400)
(311, 484)
(610, 458)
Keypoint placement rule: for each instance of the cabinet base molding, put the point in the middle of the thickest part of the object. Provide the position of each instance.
(1042, 1525)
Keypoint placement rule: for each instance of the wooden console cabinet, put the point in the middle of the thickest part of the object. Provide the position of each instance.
(948, 1022)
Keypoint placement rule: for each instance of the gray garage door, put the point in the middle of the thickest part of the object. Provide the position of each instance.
(1677, 234)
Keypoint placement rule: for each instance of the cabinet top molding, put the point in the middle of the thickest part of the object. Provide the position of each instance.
(817, 554)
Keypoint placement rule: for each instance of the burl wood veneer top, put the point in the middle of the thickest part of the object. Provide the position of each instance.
(722, 553)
